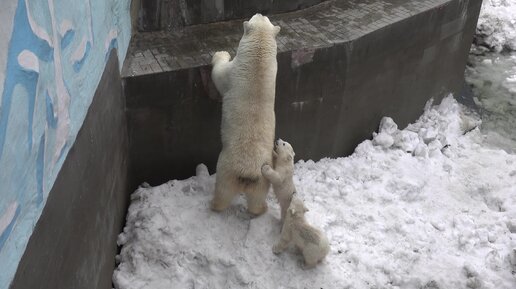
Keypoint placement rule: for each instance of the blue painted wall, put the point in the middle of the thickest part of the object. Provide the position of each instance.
(52, 55)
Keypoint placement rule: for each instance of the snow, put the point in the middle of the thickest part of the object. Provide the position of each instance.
(496, 26)
(429, 206)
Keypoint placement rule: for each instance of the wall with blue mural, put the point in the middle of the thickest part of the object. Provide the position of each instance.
(52, 55)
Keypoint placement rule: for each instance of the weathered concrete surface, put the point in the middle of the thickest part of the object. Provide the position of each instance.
(74, 240)
(342, 65)
(173, 125)
(173, 14)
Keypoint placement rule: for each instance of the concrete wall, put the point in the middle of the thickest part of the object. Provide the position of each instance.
(170, 134)
(173, 14)
(327, 99)
(52, 56)
(74, 241)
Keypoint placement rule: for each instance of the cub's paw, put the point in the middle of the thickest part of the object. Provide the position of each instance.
(257, 210)
(308, 266)
(220, 56)
(266, 169)
(276, 249)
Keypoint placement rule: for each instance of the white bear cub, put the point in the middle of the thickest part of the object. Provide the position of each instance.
(281, 176)
(312, 242)
(248, 87)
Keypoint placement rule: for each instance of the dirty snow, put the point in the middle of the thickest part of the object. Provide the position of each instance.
(429, 206)
(496, 28)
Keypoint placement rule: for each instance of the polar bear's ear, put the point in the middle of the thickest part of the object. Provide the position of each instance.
(276, 30)
(292, 211)
(247, 27)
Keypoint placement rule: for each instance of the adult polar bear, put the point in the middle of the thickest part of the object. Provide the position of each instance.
(248, 86)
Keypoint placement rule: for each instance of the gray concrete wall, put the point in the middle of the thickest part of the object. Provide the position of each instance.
(74, 241)
(328, 99)
(173, 14)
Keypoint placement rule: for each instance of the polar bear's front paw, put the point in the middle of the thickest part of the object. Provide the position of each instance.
(220, 56)
(276, 249)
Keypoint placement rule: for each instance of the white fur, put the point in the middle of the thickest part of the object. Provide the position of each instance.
(312, 242)
(281, 176)
(247, 84)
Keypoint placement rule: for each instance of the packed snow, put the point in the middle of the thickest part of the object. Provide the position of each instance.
(496, 27)
(429, 206)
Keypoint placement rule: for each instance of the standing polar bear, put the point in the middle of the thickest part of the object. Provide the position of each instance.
(248, 86)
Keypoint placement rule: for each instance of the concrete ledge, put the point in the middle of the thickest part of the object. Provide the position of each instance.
(334, 22)
(74, 241)
(174, 14)
(333, 84)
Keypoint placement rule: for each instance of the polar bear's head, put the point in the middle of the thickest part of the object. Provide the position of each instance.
(283, 152)
(259, 24)
(297, 208)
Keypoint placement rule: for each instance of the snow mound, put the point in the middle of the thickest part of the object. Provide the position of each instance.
(496, 26)
(424, 207)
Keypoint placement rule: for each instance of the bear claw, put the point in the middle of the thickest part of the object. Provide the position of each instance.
(221, 56)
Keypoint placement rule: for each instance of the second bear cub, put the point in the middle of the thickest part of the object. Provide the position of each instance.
(311, 241)
(281, 176)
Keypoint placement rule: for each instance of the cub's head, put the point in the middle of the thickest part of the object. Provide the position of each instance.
(259, 23)
(297, 207)
(283, 152)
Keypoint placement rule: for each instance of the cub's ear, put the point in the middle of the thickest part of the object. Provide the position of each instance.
(289, 158)
(276, 30)
(247, 27)
(292, 211)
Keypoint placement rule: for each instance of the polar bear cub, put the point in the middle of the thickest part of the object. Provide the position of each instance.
(248, 86)
(312, 242)
(281, 175)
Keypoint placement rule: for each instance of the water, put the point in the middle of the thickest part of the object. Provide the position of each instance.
(492, 77)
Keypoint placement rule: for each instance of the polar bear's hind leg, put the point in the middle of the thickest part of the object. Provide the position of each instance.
(225, 190)
(256, 197)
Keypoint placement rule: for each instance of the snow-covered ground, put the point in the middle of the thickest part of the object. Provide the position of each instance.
(429, 206)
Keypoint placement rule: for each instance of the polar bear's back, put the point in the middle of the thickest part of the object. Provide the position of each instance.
(248, 85)
(312, 241)
(247, 132)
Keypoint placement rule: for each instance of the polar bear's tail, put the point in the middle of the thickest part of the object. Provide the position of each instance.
(246, 181)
